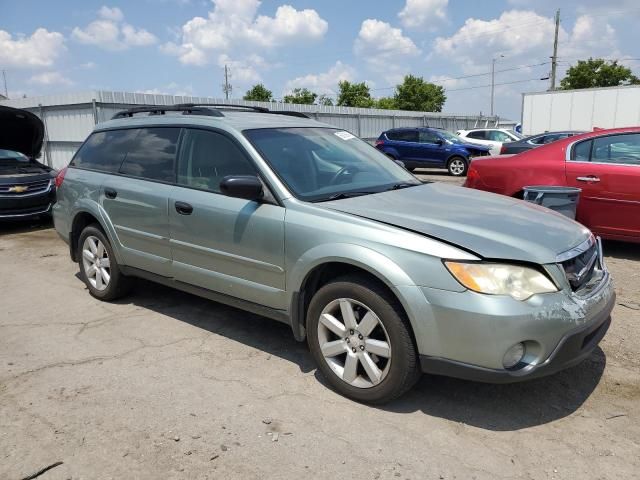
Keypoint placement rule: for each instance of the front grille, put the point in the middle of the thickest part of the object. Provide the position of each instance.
(19, 212)
(580, 268)
(25, 188)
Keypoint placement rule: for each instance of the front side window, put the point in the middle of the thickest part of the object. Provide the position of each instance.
(207, 157)
(320, 164)
(426, 136)
(152, 155)
(104, 151)
(620, 149)
(498, 136)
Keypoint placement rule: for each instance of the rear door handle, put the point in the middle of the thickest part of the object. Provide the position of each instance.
(183, 208)
(110, 193)
(588, 178)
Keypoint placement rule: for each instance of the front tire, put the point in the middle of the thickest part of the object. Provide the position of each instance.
(457, 166)
(360, 339)
(99, 268)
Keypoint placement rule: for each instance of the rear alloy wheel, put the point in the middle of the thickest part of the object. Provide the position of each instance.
(360, 339)
(98, 266)
(457, 166)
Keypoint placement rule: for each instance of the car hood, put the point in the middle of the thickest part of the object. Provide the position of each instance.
(492, 226)
(20, 131)
(475, 146)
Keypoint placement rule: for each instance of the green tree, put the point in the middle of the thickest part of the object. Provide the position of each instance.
(301, 96)
(325, 100)
(354, 95)
(386, 103)
(597, 72)
(259, 93)
(414, 93)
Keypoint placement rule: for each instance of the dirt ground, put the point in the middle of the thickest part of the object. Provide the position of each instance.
(165, 385)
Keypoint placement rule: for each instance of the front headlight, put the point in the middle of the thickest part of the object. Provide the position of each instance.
(501, 279)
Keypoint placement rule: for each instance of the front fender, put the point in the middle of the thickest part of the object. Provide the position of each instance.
(365, 258)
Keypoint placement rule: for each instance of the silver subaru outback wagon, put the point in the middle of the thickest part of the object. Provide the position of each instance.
(383, 275)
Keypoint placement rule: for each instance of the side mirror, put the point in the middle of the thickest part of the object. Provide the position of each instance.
(248, 187)
(440, 142)
(401, 163)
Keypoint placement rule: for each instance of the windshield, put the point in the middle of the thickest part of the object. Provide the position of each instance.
(9, 156)
(450, 137)
(320, 164)
(519, 136)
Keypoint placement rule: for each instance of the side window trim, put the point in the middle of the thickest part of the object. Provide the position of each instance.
(571, 151)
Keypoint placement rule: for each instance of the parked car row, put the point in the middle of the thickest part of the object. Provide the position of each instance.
(604, 164)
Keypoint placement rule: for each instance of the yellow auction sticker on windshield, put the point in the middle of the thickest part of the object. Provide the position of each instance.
(344, 135)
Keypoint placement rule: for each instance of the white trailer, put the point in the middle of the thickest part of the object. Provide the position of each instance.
(583, 109)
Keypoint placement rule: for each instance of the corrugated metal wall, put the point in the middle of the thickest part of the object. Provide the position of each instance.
(70, 117)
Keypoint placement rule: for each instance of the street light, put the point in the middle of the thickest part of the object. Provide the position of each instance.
(493, 79)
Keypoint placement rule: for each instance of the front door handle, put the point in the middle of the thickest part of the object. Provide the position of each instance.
(588, 178)
(183, 208)
(110, 193)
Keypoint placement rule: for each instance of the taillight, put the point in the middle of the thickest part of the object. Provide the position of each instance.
(60, 177)
(503, 150)
(472, 177)
(379, 142)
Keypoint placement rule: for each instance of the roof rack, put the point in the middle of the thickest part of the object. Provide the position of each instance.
(162, 109)
(201, 109)
(223, 106)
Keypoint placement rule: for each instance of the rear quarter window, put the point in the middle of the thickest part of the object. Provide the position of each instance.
(104, 151)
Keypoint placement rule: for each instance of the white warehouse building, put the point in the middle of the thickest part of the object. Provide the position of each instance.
(583, 109)
(69, 118)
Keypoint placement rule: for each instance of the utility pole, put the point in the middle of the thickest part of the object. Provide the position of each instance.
(4, 78)
(493, 79)
(227, 87)
(554, 58)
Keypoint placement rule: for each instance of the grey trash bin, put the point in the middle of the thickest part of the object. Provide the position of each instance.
(563, 200)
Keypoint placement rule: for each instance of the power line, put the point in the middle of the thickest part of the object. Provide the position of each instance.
(488, 85)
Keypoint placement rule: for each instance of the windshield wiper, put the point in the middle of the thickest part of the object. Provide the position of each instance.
(341, 195)
(398, 186)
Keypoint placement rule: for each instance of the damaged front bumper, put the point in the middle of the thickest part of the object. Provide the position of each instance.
(472, 331)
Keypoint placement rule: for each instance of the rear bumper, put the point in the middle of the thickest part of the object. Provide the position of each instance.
(572, 349)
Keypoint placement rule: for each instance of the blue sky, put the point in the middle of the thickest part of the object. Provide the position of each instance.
(181, 46)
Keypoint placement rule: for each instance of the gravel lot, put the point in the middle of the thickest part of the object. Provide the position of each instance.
(167, 385)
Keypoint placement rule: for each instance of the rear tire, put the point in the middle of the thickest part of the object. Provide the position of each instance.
(457, 166)
(369, 357)
(99, 268)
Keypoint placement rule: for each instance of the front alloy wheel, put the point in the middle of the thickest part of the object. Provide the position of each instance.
(354, 343)
(361, 339)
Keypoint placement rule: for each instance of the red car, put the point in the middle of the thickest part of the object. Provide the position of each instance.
(605, 164)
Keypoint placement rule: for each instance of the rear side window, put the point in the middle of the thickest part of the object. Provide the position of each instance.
(478, 134)
(403, 135)
(104, 151)
(152, 156)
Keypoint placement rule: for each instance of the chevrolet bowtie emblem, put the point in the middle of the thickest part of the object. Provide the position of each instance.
(18, 189)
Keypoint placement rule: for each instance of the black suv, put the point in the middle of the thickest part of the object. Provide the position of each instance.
(27, 187)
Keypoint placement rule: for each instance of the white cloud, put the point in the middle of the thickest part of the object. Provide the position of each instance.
(384, 48)
(243, 72)
(235, 25)
(419, 13)
(323, 83)
(50, 78)
(524, 36)
(41, 49)
(111, 32)
(114, 13)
